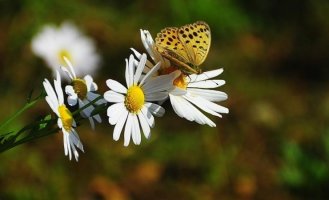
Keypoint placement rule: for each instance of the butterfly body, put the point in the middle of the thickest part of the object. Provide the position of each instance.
(186, 47)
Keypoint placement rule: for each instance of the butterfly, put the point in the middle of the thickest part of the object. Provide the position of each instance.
(186, 47)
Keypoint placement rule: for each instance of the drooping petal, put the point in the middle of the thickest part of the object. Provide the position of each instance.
(119, 125)
(72, 100)
(58, 88)
(91, 85)
(136, 133)
(158, 96)
(145, 126)
(92, 96)
(115, 111)
(128, 130)
(155, 109)
(148, 116)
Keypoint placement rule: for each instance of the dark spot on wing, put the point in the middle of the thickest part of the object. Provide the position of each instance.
(190, 36)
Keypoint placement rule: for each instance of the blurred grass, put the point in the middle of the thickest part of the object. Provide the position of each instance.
(272, 145)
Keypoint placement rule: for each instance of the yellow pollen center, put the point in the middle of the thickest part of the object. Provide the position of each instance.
(66, 117)
(64, 53)
(180, 82)
(80, 88)
(135, 98)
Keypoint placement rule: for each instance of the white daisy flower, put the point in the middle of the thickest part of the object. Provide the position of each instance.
(191, 92)
(66, 122)
(53, 43)
(132, 105)
(82, 91)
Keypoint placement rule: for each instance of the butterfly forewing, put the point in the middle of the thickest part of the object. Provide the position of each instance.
(196, 39)
(186, 47)
(167, 43)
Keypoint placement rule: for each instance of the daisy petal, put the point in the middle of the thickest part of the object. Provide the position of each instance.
(72, 100)
(91, 85)
(114, 112)
(116, 86)
(211, 95)
(148, 116)
(113, 97)
(158, 96)
(206, 84)
(205, 75)
(128, 130)
(145, 126)
(150, 73)
(136, 134)
(155, 109)
(119, 125)
(139, 69)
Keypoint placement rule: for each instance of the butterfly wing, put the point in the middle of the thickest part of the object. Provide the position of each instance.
(196, 39)
(167, 43)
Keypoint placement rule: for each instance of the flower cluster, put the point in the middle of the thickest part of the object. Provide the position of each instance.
(131, 107)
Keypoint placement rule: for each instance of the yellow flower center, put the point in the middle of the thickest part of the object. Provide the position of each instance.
(64, 53)
(135, 99)
(80, 87)
(66, 117)
(179, 81)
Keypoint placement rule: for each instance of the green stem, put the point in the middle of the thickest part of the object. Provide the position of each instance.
(38, 133)
(20, 111)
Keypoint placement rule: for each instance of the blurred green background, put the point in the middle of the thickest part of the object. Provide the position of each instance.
(274, 143)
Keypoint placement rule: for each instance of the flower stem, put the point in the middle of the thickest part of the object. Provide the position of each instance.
(20, 111)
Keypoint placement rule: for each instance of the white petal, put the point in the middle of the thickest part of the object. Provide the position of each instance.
(116, 86)
(69, 90)
(205, 75)
(92, 96)
(50, 92)
(119, 125)
(178, 91)
(148, 116)
(51, 104)
(139, 69)
(158, 96)
(91, 85)
(114, 112)
(148, 65)
(128, 130)
(178, 104)
(130, 69)
(64, 69)
(160, 83)
(113, 97)
(136, 133)
(211, 95)
(58, 88)
(207, 106)
(145, 126)
(155, 109)
(150, 73)
(72, 100)
(70, 67)
(206, 84)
